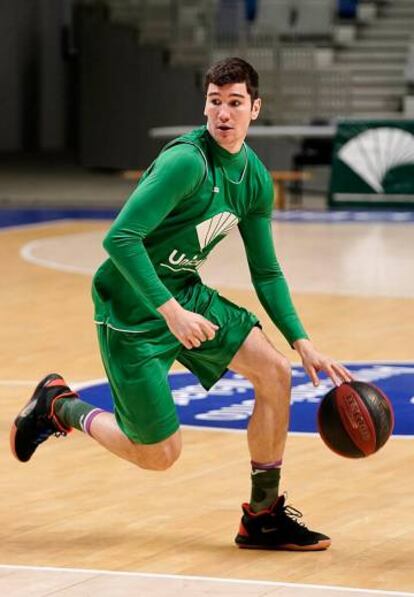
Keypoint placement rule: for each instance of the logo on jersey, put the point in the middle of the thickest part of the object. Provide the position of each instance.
(229, 404)
(181, 261)
(220, 224)
(208, 233)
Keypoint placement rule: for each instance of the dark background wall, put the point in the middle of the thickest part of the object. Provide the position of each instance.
(52, 74)
(17, 73)
(72, 81)
(125, 90)
(32, 76)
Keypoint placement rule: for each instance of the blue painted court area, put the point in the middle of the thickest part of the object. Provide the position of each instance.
(20, 217)
(345, 216)
(229, 403)
(16, 217)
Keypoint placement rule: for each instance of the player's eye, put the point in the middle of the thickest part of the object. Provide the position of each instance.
(235, 103)
(215, 102)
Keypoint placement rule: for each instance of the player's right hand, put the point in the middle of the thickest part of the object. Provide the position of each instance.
(190, 328)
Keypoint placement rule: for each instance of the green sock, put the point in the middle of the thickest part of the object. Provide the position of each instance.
(265, 488)
(73, 412)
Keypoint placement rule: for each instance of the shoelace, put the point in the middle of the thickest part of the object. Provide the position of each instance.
(293, 515)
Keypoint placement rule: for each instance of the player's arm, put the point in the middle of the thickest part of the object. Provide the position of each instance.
(268, 278)
(273, 291)
(266, 274)
(176, 174)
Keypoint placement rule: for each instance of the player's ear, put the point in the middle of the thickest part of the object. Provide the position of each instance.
(205, 108)
(257, 104)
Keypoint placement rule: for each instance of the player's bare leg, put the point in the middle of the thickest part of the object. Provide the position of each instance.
(42, 417)
(267, 523)
(270, 373)
(159, 456)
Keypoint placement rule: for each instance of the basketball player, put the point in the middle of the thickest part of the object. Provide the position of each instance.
(152, 309)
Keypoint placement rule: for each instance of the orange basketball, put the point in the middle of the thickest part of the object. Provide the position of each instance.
(355, 419)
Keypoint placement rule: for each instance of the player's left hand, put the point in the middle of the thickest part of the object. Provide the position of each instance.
(313, 362)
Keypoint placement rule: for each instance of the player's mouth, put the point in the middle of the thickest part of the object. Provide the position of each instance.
(224, 127)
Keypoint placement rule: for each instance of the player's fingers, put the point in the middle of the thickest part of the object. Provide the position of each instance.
(342, 372)
(203, 333)
(346, 374)
(186, 343)
(189, 338)
(209, 333)
(209, 323)
(196, 336)
(212, 325)
(311, 371)
(209, 329)
(192, 342)
(330, 370)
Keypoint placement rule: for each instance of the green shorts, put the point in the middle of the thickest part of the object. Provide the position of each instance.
(137, 363)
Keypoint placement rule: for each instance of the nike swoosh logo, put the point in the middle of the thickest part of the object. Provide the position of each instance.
(269, 529)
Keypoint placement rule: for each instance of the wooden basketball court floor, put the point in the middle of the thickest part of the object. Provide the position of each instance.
(77, 521)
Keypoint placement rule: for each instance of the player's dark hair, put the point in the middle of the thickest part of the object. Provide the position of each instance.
(233, 70)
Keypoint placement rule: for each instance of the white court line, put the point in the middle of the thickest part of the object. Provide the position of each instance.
(26, 252)
(14, 382)
(207, 579)
(54, 253)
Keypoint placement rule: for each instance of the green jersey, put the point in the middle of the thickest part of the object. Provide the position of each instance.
(187, 201)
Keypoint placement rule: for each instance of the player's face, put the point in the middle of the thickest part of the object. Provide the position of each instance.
(229, 110)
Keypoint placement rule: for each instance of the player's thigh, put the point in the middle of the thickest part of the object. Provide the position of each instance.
(138, 378)
(258, 360)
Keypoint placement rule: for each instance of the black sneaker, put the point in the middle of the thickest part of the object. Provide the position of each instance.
(36, 422)
(278, 528)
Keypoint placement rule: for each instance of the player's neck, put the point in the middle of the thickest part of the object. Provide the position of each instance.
(233, 148)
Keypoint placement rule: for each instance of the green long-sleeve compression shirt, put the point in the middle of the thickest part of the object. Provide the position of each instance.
(192, 195)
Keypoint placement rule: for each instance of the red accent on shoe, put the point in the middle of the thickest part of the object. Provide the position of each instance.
(56, 382)
(13, 441)
(242, 530)
(248, 509)
(52, 414)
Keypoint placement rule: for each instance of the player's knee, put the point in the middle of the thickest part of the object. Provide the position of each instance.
(275, 369)
(166, 457)
(284, 369)
(158, 457)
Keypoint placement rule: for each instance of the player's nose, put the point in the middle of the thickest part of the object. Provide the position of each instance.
(223, 113)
